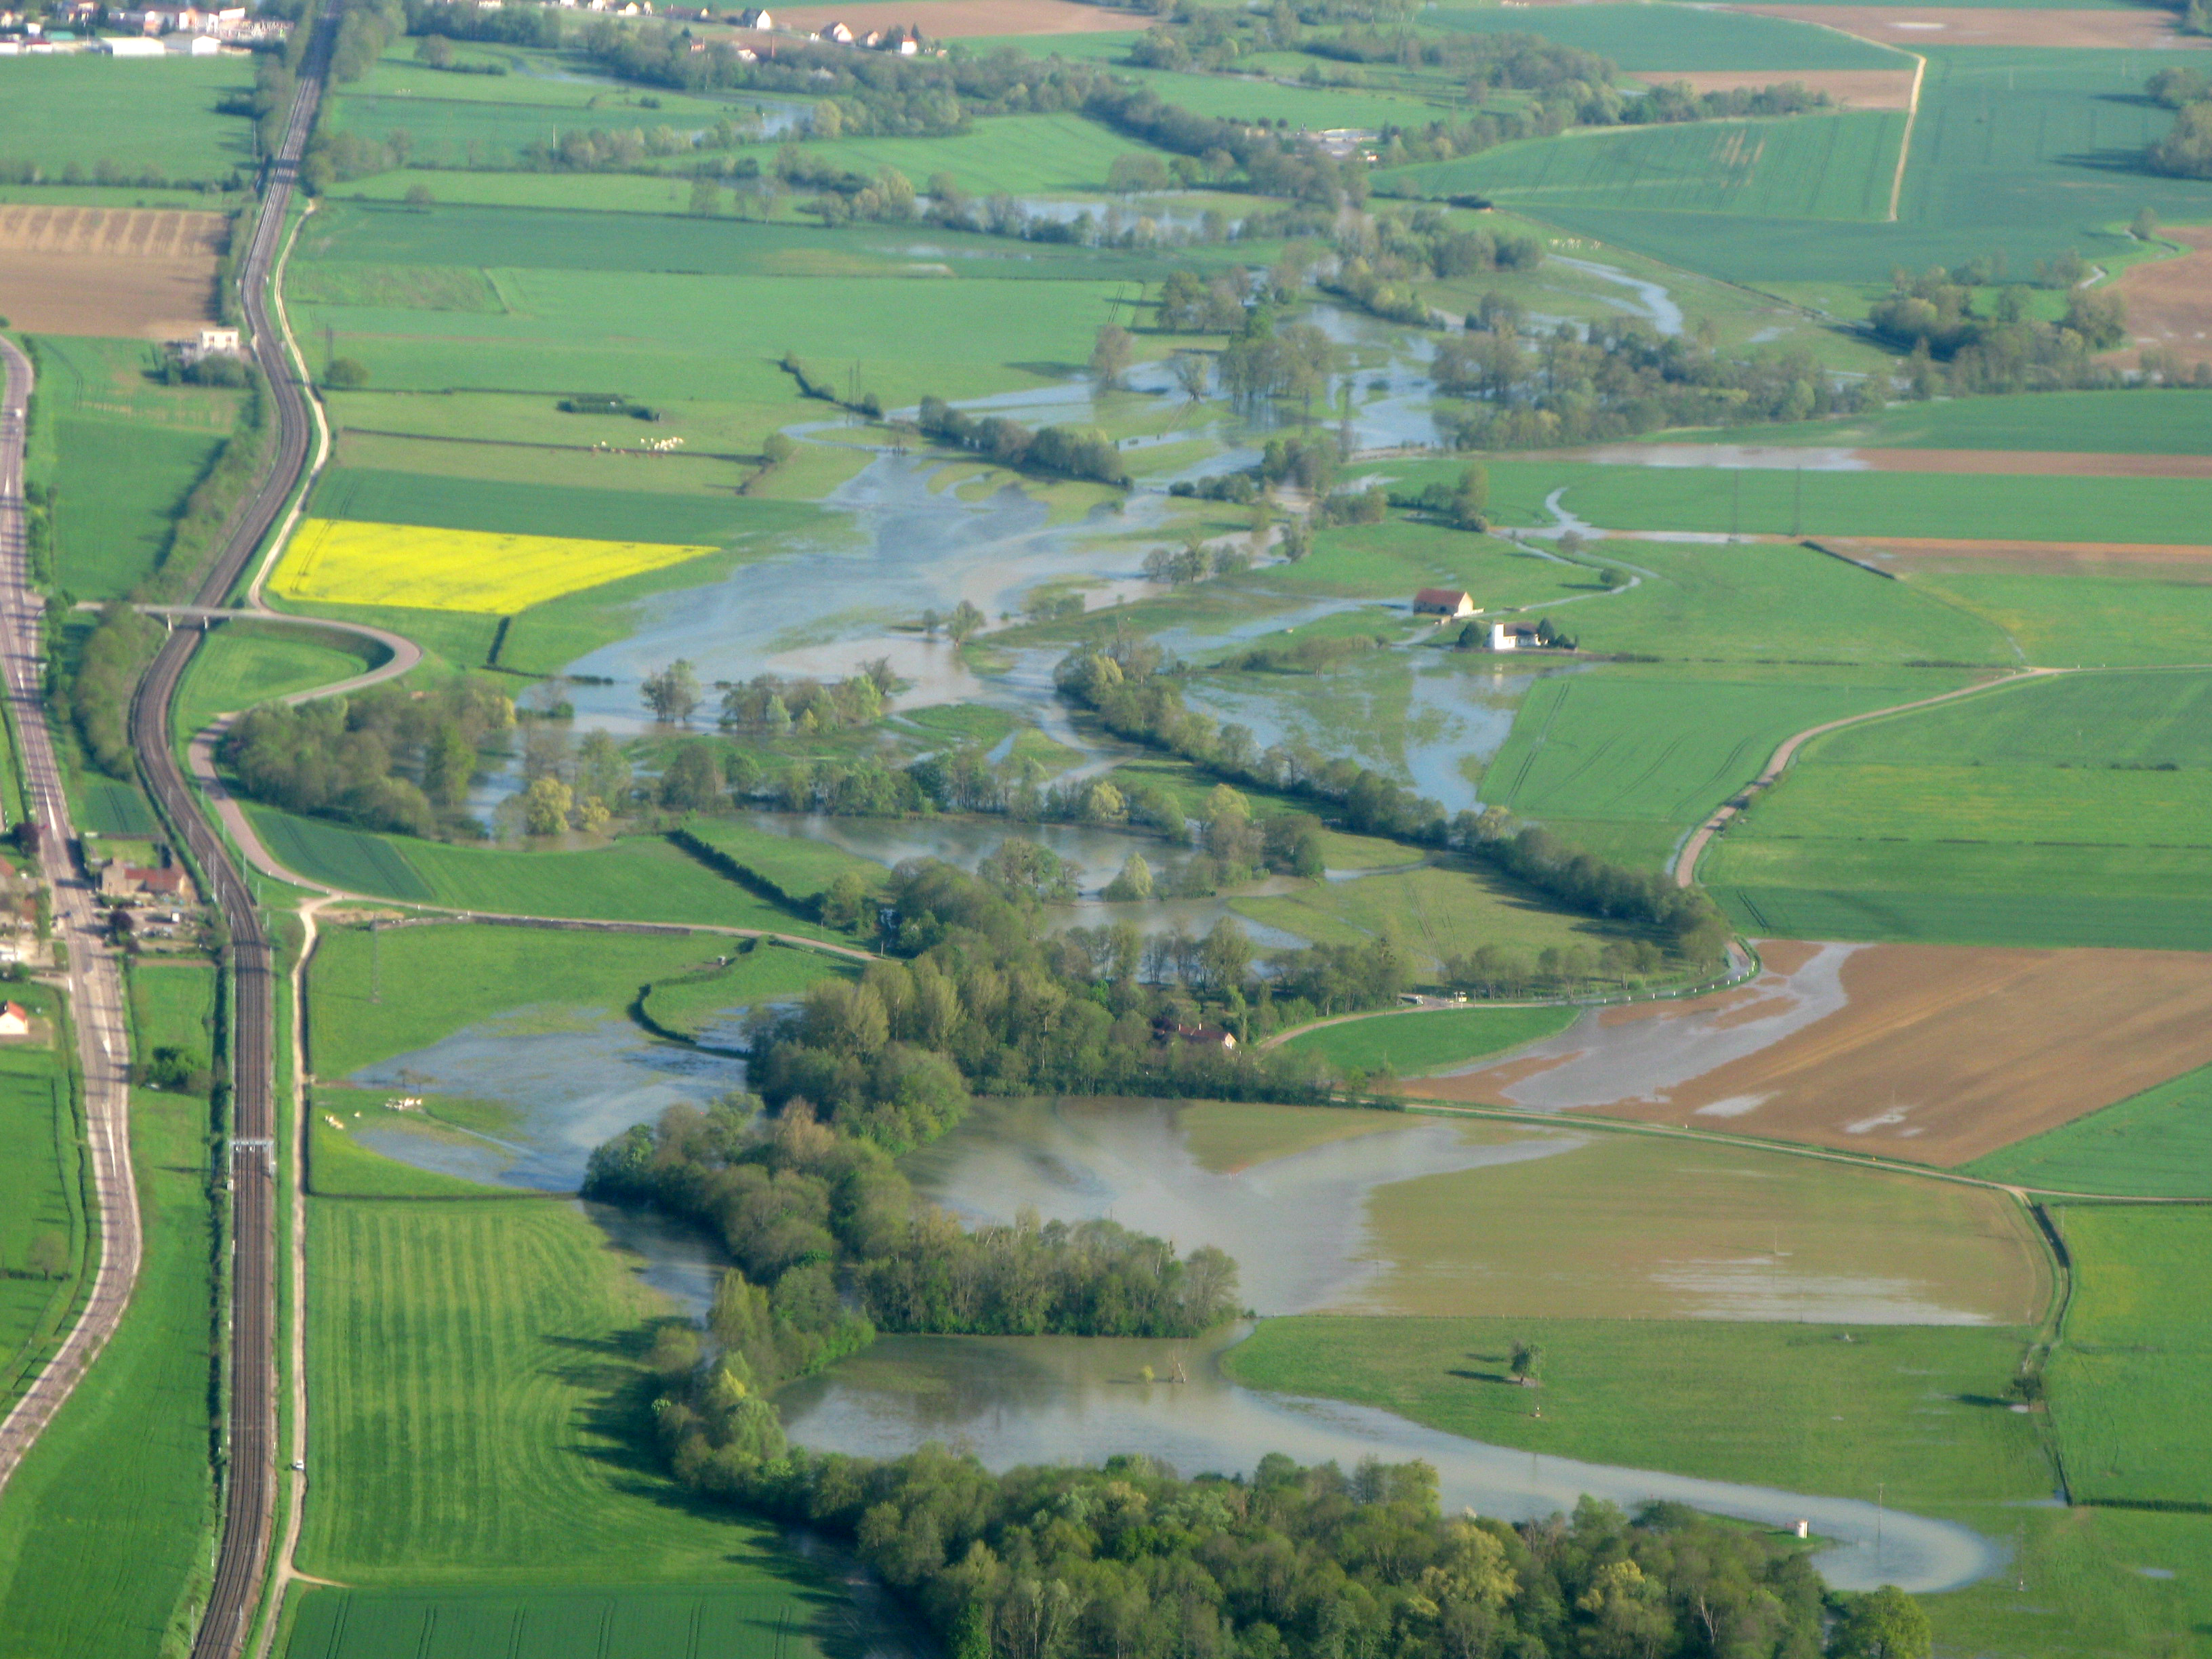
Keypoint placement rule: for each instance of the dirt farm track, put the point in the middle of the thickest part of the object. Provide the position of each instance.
(1934, 1053)
(139, 273)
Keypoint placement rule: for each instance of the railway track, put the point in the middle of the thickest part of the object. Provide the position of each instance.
(249, 1483)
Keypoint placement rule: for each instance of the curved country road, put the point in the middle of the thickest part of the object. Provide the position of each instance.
(95, 981)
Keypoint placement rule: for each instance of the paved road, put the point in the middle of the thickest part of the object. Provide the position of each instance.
(95, 981)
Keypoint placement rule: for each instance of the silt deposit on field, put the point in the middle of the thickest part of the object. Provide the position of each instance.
(1938, 1053)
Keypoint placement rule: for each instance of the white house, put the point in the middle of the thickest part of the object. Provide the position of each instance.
(204, 45)
(1512, 636)
(839, 33)
(131, 45)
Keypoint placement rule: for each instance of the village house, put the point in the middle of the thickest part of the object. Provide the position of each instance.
(121, 880)
(1444, 604)
(750, 19)
(15, 1019)
(837, 31)
(1512, 636)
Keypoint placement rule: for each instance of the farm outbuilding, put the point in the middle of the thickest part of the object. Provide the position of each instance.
(1444, 604)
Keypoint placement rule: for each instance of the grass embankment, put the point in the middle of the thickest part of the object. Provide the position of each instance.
(103, 1538)
(2064, 812)
(45, 1230)
(1411, 1043)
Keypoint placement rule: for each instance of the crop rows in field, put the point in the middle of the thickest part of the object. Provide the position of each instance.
(415, 567)
(645, 1622)
(1642, 36)
(43, 1231)
(2155, 1145)
(1811, 166)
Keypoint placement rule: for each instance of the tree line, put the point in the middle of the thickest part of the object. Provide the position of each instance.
(1130, 1561)
(1068, 452)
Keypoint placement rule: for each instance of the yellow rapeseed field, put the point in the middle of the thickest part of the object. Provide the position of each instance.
(342, 561)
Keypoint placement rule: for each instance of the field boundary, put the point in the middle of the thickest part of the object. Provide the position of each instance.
(1905, 148)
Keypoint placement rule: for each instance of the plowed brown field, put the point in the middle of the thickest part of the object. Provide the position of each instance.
(140, 273)
(2170, 301)
(1933, 1053)
(2133, 30)
(2125, 561)
(1850, 89)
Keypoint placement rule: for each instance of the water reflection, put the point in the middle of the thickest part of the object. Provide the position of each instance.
(1130, 1162)
(1021, 1400)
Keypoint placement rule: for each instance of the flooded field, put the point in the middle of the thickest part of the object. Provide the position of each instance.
(1034, 1399)
(1937, 1054)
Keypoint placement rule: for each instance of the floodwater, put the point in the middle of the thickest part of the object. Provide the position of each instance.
(1013, 1400)
(569, 1089)
(1603, 1058)
(1129, 1161)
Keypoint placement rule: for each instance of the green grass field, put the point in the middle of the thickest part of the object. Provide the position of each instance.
(44, 1226)
(161, 115)
(479, 1406)
(1837, 168)
(1437, 913)
(117, 497)
(1019, 155)
(447, 503)
(638, 878)
(687, 1004)
(1672, 37)
(105, 1530)
(1778, 1404)
(1627, 742)
(109, 806)
(2062, 621)
(436, 980)
(2129, 1382)
(1388, 561)
(797, 867)
(241, 667)
(1412, 1043)
(2029, 151)
(1777, 502)
(2062, 812)
(2177, 423)
(770, 1616)
(2156, 1145)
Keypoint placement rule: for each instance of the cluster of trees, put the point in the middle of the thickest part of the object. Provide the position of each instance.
(1070, 452)
(990, 1001)
(1934, 316)
(1461, 503)
(1615, 379)
(861, 92)
(1379, 261)
(773, 707)
(384, 760)
(100, 686)
(18, 170)
(1264, 364)
(2186, 151)
(1129, 1561)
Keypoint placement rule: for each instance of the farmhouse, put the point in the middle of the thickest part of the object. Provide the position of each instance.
(121, 880)
(1512, 636)
(1444, 604)
(15, 1019)
(1202, 1036)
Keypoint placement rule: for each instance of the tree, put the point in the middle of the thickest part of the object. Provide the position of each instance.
(419, 197)
(1883, 1624)
(706, 196)
(776, 449)
(1527, 1361)
(546, 807)
(1112, 354)
(436, 50)
(848, 904)
(451, 763)
(603, 770)
(2145, 225)
(1133, 884)
(1194, 374)
(48, 1255)
(1470, 496)
(345, 375)
(1225, 956)
(673, 693)
(692, 781)
(965, 623)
